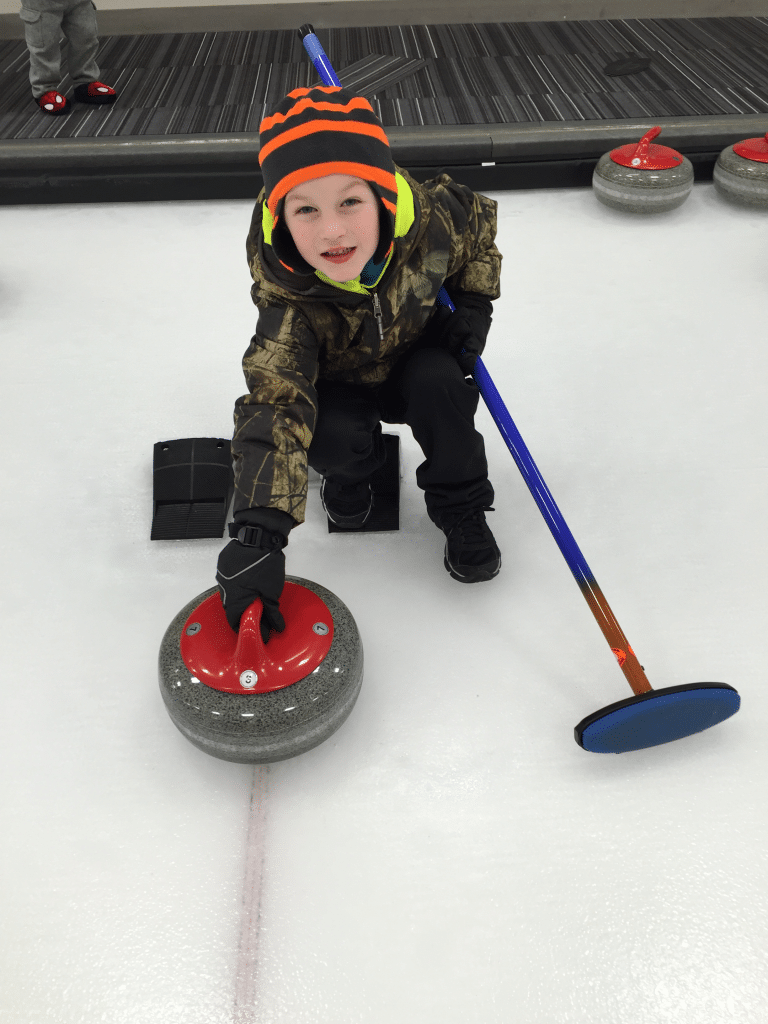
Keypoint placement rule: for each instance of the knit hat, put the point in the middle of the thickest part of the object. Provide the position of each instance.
(319, 131)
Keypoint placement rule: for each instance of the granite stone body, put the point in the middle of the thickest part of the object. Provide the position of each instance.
(641, 191)
(260, 728)
(741, 181)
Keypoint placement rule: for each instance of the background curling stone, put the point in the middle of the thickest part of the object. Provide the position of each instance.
(741, 172)
(643, 178)
(242, 700)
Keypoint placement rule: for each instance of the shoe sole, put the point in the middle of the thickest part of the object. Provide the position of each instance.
(479, 575)
(56, 113)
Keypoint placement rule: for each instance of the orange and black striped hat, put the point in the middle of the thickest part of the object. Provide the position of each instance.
(326, 130)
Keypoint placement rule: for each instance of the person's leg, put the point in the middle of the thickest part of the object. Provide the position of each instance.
(429, 392)
(346, 449)
(42, 31)
(346, 443)
(439, 406)
(83, 34)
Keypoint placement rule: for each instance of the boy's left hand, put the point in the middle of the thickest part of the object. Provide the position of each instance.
(464, 331)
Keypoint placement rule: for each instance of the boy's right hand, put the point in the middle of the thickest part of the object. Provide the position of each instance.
(250, 570)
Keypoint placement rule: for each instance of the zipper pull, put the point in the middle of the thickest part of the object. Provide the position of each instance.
(377, 314)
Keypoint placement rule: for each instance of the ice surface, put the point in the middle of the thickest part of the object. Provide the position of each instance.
(450, 855)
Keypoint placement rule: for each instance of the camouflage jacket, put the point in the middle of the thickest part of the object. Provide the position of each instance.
(310, 327)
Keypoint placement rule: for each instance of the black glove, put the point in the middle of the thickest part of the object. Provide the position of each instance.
(252, 567)
(464, 331)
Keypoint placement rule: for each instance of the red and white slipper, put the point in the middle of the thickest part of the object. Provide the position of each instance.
(53, 103)
(95, 92)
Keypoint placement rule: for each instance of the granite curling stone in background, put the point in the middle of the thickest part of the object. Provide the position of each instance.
(741, 173)
(643, 177)
(242, 700)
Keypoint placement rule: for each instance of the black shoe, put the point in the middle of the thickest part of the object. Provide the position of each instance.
(346, 505)
(471, 553)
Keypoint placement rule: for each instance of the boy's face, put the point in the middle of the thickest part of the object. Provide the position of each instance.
(331, 214)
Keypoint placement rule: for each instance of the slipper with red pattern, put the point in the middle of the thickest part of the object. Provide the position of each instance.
(54, 103)
(95, 92)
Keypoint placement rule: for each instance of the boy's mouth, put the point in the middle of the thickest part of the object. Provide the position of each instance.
(339, 255)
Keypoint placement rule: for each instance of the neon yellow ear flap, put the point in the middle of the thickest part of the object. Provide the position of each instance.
(267, 223)
(405, 215)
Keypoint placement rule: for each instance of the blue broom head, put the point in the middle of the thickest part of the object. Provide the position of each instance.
(659, 716)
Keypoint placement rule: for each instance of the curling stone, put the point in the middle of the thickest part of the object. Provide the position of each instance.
(741, 172)
(242, 700)
(642, 177)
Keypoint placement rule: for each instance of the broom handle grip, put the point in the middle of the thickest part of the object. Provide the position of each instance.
(583, 575)
(318, 55)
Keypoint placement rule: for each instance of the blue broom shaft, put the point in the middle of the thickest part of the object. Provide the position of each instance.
(577, 563)
(524, 461)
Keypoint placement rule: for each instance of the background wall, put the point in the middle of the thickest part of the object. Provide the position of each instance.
(141, 17)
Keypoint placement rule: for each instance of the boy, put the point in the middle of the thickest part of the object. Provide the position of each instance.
(44, 23)
(348, 253)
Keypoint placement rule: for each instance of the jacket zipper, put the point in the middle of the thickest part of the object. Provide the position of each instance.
(377, 314)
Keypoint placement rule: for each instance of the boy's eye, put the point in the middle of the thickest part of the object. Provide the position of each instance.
(310, 209)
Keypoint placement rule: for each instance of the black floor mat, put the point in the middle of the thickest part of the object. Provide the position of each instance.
(221, 82)
(385, 484)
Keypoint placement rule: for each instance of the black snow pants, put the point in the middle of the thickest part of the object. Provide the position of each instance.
(427, 391)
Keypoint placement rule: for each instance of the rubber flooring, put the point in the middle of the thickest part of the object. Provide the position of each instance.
(517, 73)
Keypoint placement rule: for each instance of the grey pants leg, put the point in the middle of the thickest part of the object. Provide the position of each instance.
(80, 28)
(43, 31)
